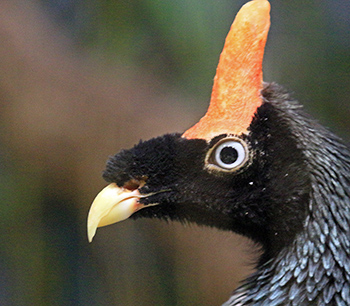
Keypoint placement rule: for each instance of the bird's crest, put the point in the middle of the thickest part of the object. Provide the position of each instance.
(237, 86)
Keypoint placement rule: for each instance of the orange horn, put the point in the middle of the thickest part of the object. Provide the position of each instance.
(237, 86)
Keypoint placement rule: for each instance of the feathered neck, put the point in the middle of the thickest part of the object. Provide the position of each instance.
(315, 267)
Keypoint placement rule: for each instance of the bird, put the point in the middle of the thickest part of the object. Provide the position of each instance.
(256, 164)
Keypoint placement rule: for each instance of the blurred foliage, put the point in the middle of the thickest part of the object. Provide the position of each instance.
(179, 40)
(122, 61)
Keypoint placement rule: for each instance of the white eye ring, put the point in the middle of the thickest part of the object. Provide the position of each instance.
(229, 154)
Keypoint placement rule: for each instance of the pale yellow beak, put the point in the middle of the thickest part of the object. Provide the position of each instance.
(111, 205)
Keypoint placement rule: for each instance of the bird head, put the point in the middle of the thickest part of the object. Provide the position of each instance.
(240, 168)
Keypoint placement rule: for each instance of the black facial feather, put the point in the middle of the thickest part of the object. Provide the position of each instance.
(258, 201)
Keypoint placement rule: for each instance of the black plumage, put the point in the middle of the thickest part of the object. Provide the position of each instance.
(293, 198)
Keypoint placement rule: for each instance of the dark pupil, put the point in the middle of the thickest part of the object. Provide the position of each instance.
(228, 155)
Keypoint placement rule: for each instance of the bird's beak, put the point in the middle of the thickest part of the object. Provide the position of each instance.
(111, 205)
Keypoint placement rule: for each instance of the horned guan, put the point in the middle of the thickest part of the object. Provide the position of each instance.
(255, 164)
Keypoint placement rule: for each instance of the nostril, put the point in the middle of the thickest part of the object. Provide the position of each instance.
(133, 184)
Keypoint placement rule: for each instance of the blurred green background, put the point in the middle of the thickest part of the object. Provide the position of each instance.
(81, 79)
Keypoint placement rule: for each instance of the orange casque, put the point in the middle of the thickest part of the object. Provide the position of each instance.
(238, 81)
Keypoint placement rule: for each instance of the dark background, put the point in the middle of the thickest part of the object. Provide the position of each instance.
(79, 80)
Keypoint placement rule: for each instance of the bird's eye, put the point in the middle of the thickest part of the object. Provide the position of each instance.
(227, 155)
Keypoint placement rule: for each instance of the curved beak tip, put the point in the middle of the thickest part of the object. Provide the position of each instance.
(91, 232)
